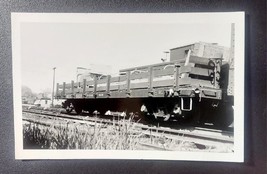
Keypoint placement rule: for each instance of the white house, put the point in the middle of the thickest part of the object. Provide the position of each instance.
(43, 102)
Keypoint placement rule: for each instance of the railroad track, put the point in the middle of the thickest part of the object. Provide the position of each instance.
(201, 137)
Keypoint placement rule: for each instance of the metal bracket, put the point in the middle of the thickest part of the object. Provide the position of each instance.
(182, 105)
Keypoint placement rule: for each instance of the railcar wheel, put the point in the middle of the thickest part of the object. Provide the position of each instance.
(78, 110)
(224, 116)
(145, 114)
(69, 110)
(147, 118)
(161, 115)
(68, 106)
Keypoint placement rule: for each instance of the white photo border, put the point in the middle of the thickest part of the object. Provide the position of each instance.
(222, 17)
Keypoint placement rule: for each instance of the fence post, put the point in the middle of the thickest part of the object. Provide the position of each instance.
(72, 88)
(108, 85)
(150, 80)
(176, 76)
(128, 81)
(84, 87)
(63, 90)
(95, 85)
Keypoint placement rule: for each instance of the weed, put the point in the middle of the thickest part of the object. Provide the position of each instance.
(81, 136)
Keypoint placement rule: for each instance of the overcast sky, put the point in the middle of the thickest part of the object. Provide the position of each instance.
(68, 45)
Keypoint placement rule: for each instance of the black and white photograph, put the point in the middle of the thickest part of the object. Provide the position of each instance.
(157, 86)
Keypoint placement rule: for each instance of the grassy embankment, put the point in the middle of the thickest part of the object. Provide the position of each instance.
(66, 135)
(81, 136)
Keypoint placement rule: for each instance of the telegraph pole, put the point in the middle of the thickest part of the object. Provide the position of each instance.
(230, 89)
(54, 72)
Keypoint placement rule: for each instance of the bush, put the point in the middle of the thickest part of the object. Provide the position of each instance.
(81, 136)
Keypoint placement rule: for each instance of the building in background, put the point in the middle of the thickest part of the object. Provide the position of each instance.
(91, 71)
(200, 49)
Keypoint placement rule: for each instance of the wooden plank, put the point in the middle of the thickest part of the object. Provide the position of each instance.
(201, 71)
(67, 85)
(136, 93)
(102, 85)
(101, 88)
(117, 79)
(79, 95)
(89, 90)
(140, 85)
(114, 79)
(101, 81)
(89, 95)
(69, 96)
(139, 75)
(122, 87)
(153, 65)
(78, 90)
(203, 61)
(185, 81)
(185, 69)
(102, 94)
(114, 87)
(77, 84)
(195, 70)
(117, 94)
(161, 83)
(67, 91)
(164, 72)
(195, 82)
(122, 78)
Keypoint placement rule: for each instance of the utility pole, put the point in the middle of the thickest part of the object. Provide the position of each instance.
(230, 88)
(54, 73)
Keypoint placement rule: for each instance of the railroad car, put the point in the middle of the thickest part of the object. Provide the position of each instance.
(195, 85)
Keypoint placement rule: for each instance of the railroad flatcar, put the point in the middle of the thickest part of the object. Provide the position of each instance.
(196, 84)
(190, 88)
